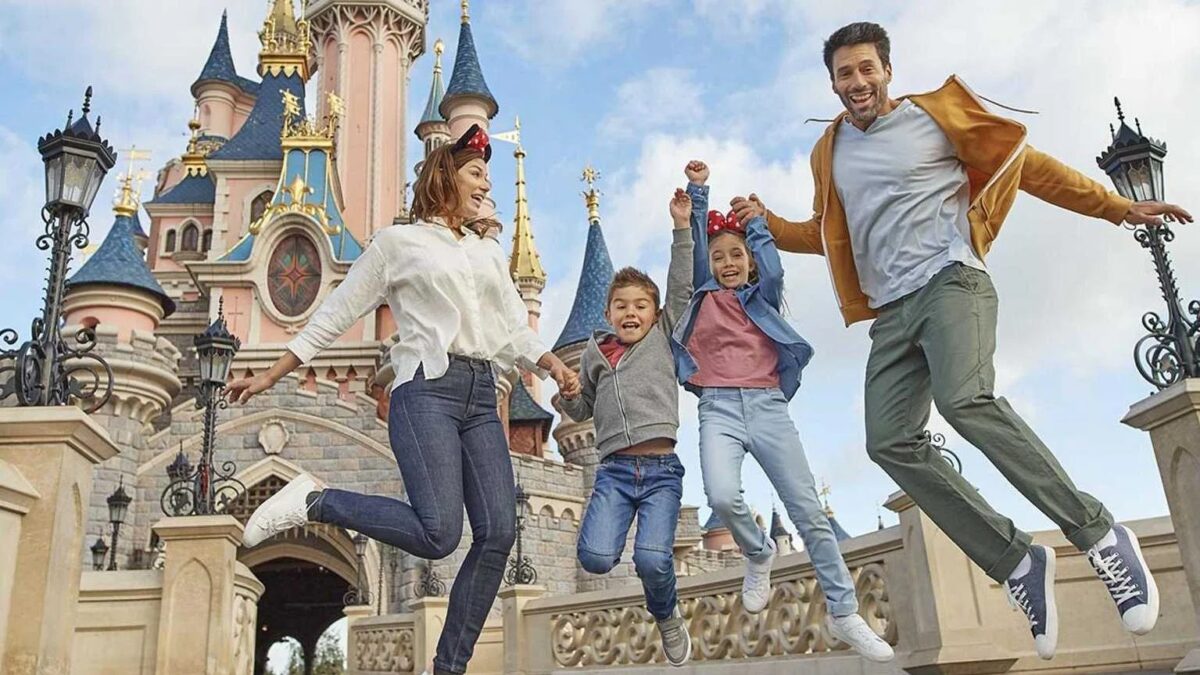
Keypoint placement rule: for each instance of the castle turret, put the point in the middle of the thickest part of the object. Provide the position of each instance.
(364, 51)
(468, 100)
(432, 130)
(577, 440)
(222, 96)
(783, 538)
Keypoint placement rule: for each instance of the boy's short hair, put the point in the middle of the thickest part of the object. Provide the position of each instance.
(631, 276)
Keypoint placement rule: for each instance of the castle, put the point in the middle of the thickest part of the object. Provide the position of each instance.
(255, 223)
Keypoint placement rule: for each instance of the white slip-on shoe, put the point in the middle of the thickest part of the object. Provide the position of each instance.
(285, 509)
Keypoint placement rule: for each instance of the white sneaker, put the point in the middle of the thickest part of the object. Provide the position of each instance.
(283, 511)
(855, 632)
(756, 585)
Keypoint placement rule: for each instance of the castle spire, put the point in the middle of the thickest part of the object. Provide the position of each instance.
(193, 159)
(219, 65)
(466, 81)
(431, 121)
(525, 262)
(286, 43)
(587, 312)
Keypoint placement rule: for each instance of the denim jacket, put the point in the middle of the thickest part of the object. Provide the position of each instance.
(760, 300)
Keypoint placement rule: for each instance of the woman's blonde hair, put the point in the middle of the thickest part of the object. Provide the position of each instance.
(435, 194)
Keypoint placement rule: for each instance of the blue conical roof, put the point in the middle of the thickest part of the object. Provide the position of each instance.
(119, 262)
(522, 407)
(467, 78)
(258, 138)
(587, 314)
(437, 92)
(219, 65)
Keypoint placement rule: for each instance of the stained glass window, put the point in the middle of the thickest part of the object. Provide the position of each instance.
(294, 275)
(260, 204)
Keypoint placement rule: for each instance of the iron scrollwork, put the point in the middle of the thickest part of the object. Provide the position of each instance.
(1167, 353)
(46, 370)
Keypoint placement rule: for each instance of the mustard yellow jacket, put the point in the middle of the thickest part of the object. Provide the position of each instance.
(998, 163)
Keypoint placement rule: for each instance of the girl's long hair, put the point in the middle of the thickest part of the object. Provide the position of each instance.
(435, 193)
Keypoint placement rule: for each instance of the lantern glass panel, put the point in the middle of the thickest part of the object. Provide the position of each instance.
(99, 553)
(78, 173)
(222, 358)
(360, 544)
(93, 185)
(204, 359)
(117, 509)
(1156, 170)
(54, 168)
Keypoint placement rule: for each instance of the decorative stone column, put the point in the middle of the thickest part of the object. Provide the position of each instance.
(516, 633)
(47, 454)
(1172, 418)
(354, 614)
(202, 582)
(429, 616)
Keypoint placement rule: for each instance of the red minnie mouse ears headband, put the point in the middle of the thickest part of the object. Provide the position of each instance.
(475, 139)
(724, 223)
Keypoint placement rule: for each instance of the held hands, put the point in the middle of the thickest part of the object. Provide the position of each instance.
(748, 207)
(681, 209)
(240, 391)
(1154, 213)
(696, 172)
(567, 380)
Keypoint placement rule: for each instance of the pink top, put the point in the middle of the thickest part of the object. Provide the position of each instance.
(730, 351)
(613, 350)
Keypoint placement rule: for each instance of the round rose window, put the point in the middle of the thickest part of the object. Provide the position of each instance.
(294, 275)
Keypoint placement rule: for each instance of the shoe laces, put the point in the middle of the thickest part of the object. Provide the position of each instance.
(1018, 597)
(1115, 574)
(861, 633)
(671, 631)
(285, 521)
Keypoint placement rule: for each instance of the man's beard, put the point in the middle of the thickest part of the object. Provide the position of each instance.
(869, 115)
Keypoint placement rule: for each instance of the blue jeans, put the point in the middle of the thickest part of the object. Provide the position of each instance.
(736, 421)
(651, 487)
(452, 452)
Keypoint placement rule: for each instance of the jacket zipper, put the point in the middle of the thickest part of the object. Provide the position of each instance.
(1012, 156)
(617, 391)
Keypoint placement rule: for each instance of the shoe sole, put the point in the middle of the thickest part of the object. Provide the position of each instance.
(686, 657)
(1151, 586)
(843, 638)
(252, 522)
(1051, 603)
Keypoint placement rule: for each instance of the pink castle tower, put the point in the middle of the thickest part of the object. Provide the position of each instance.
(364, 50)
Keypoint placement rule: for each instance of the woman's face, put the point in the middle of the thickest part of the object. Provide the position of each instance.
(473, 188)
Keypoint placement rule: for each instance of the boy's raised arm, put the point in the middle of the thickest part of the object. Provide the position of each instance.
(679, 273)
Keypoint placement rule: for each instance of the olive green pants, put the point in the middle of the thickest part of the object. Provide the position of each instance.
(936, 345)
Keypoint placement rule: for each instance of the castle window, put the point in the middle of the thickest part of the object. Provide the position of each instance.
(260, 204)
(191, 238)
(170, 246)
(206, 241)
(294, 275)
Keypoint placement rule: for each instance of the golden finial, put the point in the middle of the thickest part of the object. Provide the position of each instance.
(438, 48)
(286, 41)
(524, 263)
(128, 199)
(466, 11)
(592, 196)
(824, 492)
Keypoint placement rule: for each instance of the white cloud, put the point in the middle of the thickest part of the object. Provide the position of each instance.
(659, 98)
(557, 33)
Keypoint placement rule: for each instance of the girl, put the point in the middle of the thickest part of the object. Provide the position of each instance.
(737, 353)
(458, 315)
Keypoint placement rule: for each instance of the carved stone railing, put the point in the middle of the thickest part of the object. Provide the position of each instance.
(383, 644)
(614, 629)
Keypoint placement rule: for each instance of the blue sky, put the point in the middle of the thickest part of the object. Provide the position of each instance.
(638, 87)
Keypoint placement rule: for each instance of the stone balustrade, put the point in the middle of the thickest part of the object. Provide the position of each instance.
(383, 644)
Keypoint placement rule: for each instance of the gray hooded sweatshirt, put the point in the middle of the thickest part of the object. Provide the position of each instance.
(638, 399)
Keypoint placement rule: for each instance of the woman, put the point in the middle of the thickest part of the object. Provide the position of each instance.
(457, 314)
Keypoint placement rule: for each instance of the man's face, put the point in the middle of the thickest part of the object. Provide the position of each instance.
(860, 80)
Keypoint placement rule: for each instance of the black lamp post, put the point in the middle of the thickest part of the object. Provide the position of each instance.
(1134, 162)
(99, 553)
(118, 507)
(45, 370)
(359, 595)
(520, 567)
(206, 489)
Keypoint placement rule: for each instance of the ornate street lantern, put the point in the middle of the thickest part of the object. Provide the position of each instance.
(99, 553)
(46, 371)
(359, 595)
(520, 567)
(118, 507)
(208, 488)
(1134, 162)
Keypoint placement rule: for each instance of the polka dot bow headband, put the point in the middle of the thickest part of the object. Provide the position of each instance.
(724, 223)
(476, 139)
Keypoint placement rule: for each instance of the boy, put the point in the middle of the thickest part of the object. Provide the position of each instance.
(627, 382)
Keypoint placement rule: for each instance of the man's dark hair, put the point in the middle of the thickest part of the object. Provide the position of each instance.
(863, 32)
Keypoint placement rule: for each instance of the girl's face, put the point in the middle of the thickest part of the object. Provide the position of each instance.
(729, 260)
(473, 188)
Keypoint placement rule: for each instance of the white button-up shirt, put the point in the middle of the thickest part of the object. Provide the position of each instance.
(447, 295)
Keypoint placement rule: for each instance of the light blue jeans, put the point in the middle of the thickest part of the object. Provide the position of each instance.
(736, 421)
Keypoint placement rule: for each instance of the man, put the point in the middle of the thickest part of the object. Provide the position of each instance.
(910, 193)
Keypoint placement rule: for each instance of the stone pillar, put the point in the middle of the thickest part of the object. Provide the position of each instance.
(354, 614)
(945, 630)
(1172, 418)
(247, 589)
(53, 450)
(196, 630)
(516, 644)
(429, 615)
(16, 498)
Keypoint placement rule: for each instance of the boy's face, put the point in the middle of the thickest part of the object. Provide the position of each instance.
(631, 312)
(730, 261)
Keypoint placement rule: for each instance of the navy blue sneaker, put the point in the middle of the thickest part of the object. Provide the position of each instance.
(1124, 572)
(1033, 594)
